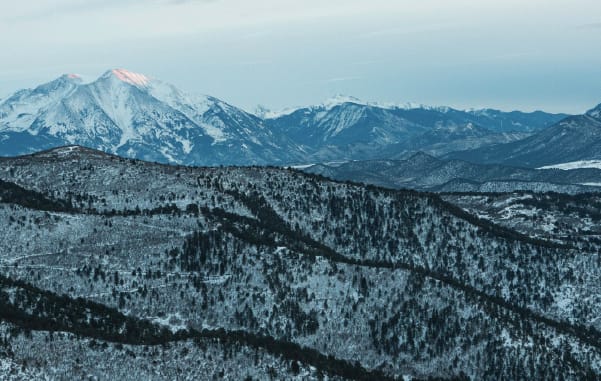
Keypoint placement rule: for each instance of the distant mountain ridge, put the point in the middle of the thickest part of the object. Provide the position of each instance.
(349, 129)
(424, 172)
(572, 139)
(136, 116)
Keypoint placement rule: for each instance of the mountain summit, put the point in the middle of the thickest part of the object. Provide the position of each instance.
(127, 76)
(595, 112)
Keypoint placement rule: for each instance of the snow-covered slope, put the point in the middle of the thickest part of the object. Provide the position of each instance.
(132, 115)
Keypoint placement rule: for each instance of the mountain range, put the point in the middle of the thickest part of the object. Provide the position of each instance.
(136, 116)
(345, 128)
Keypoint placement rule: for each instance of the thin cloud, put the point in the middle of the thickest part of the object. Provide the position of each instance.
(76, 6)
(595, 25)
(177, 2)
(367, 62)
(255, 62)
(342, 79)
(65, 7)
(409, 30)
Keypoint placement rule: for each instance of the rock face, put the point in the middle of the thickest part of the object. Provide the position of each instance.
(132, 115)
(115, 267)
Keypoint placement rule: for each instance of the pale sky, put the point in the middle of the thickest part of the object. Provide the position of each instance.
(510, 54)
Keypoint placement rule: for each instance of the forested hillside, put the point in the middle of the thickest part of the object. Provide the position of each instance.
(353, 281)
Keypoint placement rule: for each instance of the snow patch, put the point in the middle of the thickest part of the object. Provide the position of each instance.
(214, 132)
(173, 322)
(302, 166)
(575, 165)
(564, 300)
(132, 78)
(66, 151)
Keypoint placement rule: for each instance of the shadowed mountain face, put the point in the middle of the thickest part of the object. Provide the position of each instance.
(424, 172)
(276, 273)
(135, 116)
(572, 139)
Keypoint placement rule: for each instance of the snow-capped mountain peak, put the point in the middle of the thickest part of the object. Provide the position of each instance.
(127, 76)
(134, 115)
(64, 83)
(331, 103)
(340, 99)
(76, 78)
(595, 112)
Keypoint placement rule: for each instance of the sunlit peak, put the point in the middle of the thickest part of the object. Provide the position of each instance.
(130, 77)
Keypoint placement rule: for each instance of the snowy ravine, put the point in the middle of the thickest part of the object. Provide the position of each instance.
(308, 278)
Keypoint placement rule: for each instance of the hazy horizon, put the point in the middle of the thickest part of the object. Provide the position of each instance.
(469, 54)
